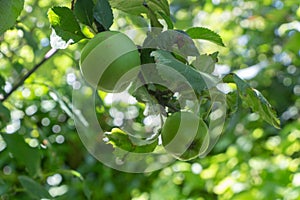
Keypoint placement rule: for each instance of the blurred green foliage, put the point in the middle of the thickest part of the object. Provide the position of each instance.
(252, 160)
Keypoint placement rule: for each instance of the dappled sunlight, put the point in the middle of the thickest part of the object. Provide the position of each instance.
(62, 138)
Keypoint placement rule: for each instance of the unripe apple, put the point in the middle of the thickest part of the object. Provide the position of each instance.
(184, 135)
(110, 61)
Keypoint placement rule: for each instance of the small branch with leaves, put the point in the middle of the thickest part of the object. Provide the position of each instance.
(47, 56)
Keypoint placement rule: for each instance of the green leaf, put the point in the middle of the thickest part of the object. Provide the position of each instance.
(167, 19)
(293, 43)
(173, 41)
(83, 10)
(2, 81)
(103, 13)
(33, 188)
(155, 9)
(137, 7)
(214, 56)
(138, 21)
(87, 191)
(120, 139)
(153, 18)
(233, 102)
(71, 172)
(2, 84)
(205, 34)
(4, 187)
(9, 12)
(65, 24)
(254, 99)
(198, 80)
(142, 95)
(23, 153)
(162, 5)
(204, 63)
(18, 67)
(4, 115)
(147, 148)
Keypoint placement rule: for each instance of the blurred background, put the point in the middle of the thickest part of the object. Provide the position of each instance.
(252, 160)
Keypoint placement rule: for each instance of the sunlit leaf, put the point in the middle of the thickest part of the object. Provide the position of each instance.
(254, 99)
(120, 139)
(205, 34)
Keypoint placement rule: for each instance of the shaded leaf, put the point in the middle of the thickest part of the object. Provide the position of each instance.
(83, 10)
(33, 188)
(2, 81)
(162, 4)
(103, 13)
(4, 187)
(4, 115)
(18, 67)
(233, 101)
(23, 153)
(142, 95)
(204, 63)
(65, 24)
(198, 80)
(205, 34)
(2, 84)
(173, 41)
(153, 18)
(87, 192)
(254, 99)
(9, 12)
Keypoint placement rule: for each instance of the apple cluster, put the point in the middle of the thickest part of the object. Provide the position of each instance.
(110, 61)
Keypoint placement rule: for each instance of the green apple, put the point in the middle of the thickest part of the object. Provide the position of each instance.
(110, 61)
(184, 135)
